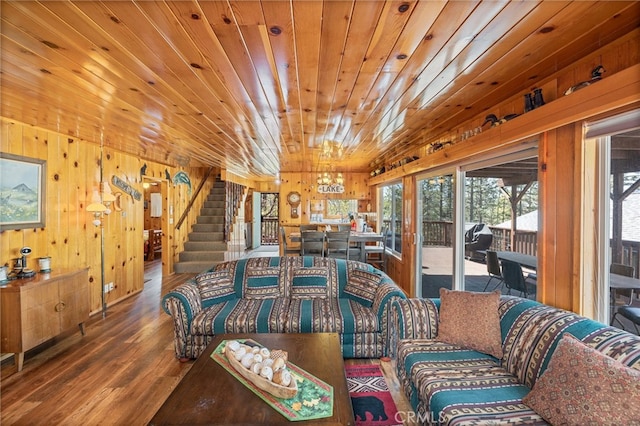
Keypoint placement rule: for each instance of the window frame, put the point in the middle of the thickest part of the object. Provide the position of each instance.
(397, 233)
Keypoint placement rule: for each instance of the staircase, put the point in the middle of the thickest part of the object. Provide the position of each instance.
(206, 246)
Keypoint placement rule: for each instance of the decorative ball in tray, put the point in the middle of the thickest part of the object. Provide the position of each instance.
(265, 369)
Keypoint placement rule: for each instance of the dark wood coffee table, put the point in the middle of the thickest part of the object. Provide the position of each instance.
(208, 394)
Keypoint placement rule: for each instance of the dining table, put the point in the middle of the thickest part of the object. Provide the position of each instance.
(623, 282)
(358, 237)
(526, 260)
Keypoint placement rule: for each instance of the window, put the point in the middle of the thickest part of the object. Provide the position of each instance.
(341, 209)
(392, 215)
(611, 203)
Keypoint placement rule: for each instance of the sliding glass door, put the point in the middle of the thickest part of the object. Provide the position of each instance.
(436, 208)
(487, 205)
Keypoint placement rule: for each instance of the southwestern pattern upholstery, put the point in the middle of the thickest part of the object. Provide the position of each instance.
(285, 295)
(454, 385)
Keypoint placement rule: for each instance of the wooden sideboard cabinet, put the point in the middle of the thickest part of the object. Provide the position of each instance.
(34, 310)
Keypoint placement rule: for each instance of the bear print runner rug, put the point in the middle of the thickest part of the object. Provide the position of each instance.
(370, 397)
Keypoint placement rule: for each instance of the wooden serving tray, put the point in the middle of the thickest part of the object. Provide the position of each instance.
(313, 400)
(285, 392)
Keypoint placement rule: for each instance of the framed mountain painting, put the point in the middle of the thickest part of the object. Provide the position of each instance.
(22, 192)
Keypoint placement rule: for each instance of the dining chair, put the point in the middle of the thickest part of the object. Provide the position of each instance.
(628, 311)
(627, 271)
(286, 248)
(344, 227)
(337, 244)
(312, 243)
(308, 227)
(376, 255)
(621, 269)
(493, 269)
(514, 278)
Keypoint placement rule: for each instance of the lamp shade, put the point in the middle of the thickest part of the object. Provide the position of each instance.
(108, 197)
(96, 207)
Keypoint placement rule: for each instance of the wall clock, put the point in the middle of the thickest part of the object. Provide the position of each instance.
(293, 198)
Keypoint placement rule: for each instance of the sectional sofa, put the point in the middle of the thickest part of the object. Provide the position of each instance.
(285, 295)
(512, 361)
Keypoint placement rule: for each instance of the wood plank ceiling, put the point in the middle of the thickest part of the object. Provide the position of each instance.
(257, 87)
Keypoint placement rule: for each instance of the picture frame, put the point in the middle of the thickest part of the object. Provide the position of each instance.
(22, 192)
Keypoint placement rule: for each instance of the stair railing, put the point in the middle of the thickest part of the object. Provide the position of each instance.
(193, 198)
(232, 202)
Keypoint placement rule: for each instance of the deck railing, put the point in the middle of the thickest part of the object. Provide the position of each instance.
(269, 231)
(440, 233)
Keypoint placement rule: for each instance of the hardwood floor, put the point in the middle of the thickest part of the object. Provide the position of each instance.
(119, 373)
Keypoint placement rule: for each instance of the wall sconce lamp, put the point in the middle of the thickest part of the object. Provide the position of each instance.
(97, 209)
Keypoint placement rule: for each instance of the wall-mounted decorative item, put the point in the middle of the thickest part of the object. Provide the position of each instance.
(128, 189)
(182, 178)
(22, 194)
(333, 188)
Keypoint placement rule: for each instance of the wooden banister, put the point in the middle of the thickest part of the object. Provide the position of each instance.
(193, 198)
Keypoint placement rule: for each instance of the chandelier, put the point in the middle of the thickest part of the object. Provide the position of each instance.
(327, 178)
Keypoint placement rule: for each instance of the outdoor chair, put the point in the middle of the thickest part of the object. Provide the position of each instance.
(628, 311)
(493, 269)
(337, 244)
(286, 248)
(312, 243)
(514, 278)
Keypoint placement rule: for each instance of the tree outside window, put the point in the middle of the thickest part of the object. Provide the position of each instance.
(392, 215)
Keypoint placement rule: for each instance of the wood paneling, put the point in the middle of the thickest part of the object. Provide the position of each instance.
(72, 182)
(255, 87)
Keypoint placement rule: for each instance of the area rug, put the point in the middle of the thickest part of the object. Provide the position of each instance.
(370, 396)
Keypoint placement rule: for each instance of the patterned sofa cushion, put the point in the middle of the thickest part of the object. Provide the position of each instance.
(361, 287)
(242, 316)
(582, 386)
(330, 316)
(460, 309)
(533, 330)
(460, 386)
(215, 287)
(329, 264)
(309, 282)
(262, 283)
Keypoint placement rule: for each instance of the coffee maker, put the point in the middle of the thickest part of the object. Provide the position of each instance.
(20, 269)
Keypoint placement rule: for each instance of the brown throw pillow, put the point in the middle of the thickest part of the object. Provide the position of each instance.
(582, 386)
(470, 319)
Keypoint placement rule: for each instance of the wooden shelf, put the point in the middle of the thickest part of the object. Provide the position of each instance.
(617, 91)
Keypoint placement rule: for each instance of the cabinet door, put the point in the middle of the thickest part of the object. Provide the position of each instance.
(74, 301)
(41, 322)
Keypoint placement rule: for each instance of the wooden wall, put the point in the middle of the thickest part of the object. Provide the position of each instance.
(72, 182)
(356, 187)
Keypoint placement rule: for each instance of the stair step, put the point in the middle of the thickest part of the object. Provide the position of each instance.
(214, 204)
(193, 246)
(201, 256)
(194, 267)
(206, 247)
(206, 236)
(214, 211)
(202, 220)
(208, 227)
